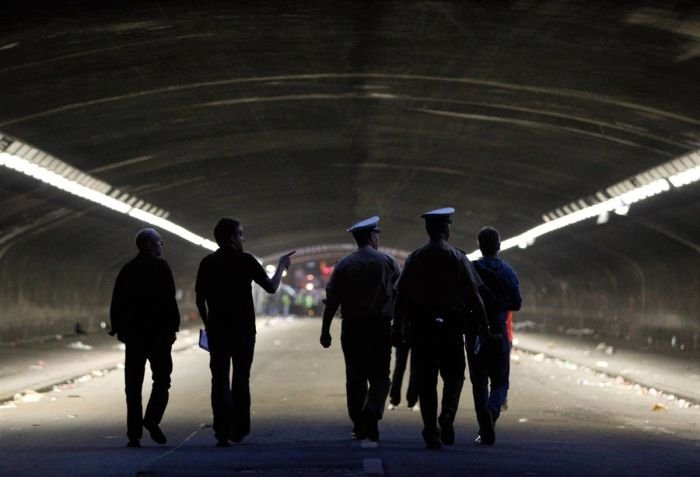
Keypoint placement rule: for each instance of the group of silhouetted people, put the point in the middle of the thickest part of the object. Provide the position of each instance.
(438, 306)
(145, 317)
(439, 303)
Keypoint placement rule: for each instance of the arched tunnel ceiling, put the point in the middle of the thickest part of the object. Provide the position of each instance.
(300, 117)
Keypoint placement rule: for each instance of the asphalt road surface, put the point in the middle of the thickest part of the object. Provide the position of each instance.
(562, 420)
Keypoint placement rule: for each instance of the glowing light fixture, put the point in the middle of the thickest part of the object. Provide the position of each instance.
(617, 198)
(30, 161)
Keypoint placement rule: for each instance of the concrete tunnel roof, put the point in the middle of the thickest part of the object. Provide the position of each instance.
(301, 118)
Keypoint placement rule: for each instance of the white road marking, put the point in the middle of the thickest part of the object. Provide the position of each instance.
(373, 466)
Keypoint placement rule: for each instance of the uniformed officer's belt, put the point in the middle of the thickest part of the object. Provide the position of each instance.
(365, 317)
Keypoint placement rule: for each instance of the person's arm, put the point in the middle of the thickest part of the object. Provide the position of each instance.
(118, 305)
(516, 299)
(200, 298)
(171, 305)
(472, 297)
(202, 308)
(332, 303)
(271, 284)
(402, 307)
(328, 314)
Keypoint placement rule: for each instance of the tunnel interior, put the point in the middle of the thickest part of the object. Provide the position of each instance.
(300, 119)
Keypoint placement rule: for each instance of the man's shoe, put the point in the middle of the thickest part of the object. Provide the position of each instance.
(222, 444)
(487, 432)
(133, 443)
(358, 432)
(432, 441)
(155, 432)
(371, 428)
(447, 431)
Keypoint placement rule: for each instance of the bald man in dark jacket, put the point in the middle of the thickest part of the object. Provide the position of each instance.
(145, 317)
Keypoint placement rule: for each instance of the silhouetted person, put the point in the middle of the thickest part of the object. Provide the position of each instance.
(145, 317)
(362, 286)
(403, 351)
(225, 303)
(490, 366)
(437, 289)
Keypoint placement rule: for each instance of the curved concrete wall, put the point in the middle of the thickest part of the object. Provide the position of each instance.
(635, 278)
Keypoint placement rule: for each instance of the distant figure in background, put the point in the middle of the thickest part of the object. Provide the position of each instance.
(145, 317)
(402, 352)
(490, 363)
(362, 286)
(225, 304)
(436, 291)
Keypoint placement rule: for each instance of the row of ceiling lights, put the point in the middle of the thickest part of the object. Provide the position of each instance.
(28, 160)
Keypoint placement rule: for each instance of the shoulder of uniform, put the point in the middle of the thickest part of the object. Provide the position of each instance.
(343, 260)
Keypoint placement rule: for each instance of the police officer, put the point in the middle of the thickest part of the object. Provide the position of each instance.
(225, 304)
(490, 364)
(145, 317)
(362, 286)
(436, 291)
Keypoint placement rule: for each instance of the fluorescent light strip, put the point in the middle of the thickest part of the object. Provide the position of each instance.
(619, 204)
(686, 177)
(54, 179)
(689, 166)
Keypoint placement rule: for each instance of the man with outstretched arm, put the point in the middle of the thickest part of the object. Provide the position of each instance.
(225, 303)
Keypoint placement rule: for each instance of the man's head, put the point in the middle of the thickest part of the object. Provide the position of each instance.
(228, 232)
(149, 241)
(437, 223)
(489, 241)
(366, 232)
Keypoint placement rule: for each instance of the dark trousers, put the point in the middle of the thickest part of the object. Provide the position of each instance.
(367, 350)
(156, 350)
(402, 352)
(438, 350)
(230, 360)
(491, 366)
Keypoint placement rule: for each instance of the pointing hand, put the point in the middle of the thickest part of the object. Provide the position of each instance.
(285, 260)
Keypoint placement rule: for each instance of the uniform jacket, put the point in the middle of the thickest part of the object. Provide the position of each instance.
(362, 284)
(437, 279)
